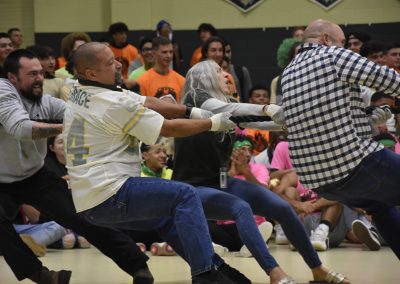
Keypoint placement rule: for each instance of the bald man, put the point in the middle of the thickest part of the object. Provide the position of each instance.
(330, 133)
(102, 128)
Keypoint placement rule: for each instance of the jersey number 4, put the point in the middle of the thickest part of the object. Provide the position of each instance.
(76, 142)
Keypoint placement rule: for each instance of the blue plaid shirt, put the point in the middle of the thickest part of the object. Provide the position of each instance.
(329, 132)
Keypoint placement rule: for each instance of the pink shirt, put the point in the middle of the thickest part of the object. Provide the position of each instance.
(281, 161)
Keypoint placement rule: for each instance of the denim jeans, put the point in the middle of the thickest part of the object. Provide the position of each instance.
(238, 202)
(373, 185)
(171, 208)
(45, 233)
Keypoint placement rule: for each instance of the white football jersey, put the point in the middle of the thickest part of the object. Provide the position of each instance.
(101, 132)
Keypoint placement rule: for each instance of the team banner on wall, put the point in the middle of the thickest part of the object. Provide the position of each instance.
(326, 4)
(245, 5)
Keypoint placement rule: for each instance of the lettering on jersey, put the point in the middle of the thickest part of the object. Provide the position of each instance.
(80, 97)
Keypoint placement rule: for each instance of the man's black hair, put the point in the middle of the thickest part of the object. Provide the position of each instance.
(361, 36)
(208, 28)
(380, 95)
(258, 87)
(118, 28)
(206, 45)
(42, 51)
(12, 62)
(371, 47)
(145, 40)
(4, 35)
(13, 30)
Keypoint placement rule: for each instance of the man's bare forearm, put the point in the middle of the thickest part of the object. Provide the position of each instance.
(166, 109)
(44, 130)
(184, 127)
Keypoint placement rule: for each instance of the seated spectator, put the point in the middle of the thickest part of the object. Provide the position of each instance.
(323, 220)
(154, 161)
(55, 161)
(381, 99)
(225, 233)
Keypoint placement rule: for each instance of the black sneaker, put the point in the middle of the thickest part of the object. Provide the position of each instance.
(143, 276)
(143, 280)
(46, 276)
(212, 277)
(233, 274)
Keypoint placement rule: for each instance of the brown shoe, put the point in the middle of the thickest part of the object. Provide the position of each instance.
(38, 249)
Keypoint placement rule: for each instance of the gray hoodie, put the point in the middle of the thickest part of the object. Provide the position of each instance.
(20, 155)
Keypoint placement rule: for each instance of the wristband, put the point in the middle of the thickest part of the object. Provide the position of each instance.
(188, 111)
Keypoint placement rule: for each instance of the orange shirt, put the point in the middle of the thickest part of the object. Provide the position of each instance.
(125, 56)
(61, 62)
(156, 85)
(260, 139)
(196, 56)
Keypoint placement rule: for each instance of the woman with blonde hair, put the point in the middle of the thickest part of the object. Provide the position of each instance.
(202, 160)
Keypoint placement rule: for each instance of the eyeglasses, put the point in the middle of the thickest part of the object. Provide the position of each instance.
(147, 50)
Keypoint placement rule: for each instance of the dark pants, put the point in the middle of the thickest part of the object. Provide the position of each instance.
(50, 195)
(374, 186)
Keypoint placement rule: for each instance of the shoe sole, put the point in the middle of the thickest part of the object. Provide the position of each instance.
(364, 235)
(38, 249)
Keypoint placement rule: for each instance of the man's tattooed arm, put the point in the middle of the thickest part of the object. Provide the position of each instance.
(42, 130)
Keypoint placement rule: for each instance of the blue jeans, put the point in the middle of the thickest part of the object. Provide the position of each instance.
(45, 234)
(239, 201)
(171, 208)
(374, 186)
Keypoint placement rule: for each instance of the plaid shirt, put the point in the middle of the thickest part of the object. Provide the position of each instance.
(329, 132)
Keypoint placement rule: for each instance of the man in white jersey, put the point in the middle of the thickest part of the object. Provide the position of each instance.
(24, 178)
(102, 128)
(329, 132)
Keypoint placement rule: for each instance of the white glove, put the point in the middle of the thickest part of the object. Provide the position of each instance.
(276, 113)
(198, 113)
(221, 122)
(381, 114)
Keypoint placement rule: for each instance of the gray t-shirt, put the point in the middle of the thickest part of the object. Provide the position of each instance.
(20, 155)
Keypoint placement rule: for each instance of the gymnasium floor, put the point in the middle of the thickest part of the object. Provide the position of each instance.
(89, 266)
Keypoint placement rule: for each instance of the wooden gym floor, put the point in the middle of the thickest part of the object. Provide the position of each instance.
(90, 266)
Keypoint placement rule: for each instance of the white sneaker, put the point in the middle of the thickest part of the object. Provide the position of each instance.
(280, 237)
(366, 235)
(220, 250)
(265, 229)
(319, 238)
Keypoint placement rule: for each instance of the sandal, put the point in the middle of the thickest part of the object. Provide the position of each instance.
(287, 280)
(332, 277)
